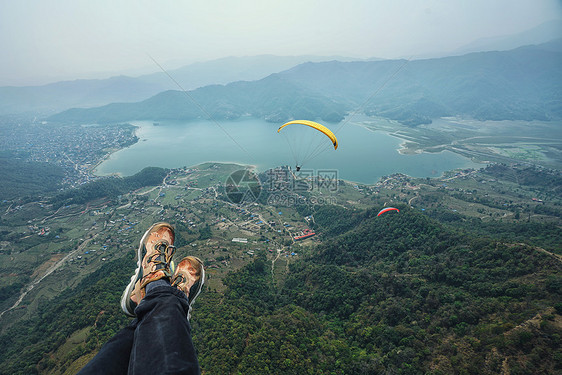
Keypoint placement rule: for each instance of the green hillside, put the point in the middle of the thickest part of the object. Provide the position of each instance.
(472, 291)
(399, 294)
(22, 178)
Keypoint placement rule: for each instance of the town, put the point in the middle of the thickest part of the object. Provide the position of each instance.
(78, 149)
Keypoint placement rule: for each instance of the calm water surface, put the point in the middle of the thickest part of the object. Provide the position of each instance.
(362, 156)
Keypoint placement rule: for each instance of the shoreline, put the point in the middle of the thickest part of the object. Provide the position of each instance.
(406, 144)
(402, 147)
(404, 150)
(111, 151)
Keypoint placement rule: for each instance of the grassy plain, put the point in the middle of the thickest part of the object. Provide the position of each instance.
(535, 142)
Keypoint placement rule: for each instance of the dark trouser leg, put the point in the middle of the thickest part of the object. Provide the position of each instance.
(162, 342)
(113, 357)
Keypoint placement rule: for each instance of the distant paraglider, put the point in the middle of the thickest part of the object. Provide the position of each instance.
(306, 142)
(387, 209)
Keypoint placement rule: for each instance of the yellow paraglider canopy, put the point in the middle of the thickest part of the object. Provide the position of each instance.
(316, 126)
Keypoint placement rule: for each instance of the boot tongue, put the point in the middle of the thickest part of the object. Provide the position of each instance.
(164, 253)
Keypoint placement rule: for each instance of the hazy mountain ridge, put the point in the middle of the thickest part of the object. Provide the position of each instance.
(231, 69)
(521, 84)
(60, 96)
(271, 98)
(537, 35)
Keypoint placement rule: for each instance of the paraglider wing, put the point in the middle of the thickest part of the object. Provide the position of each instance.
(316, 126)
(387, 209)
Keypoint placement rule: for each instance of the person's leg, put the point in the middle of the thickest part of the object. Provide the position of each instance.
(158, 341)
(113, 357)
(162, 342)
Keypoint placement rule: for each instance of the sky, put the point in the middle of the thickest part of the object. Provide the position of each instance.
(45, 41)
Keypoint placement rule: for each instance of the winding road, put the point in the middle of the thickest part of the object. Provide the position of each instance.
(52, 269)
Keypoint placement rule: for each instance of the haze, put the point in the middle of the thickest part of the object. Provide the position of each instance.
(43, 42)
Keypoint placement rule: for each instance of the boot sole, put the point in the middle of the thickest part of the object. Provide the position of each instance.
(199, 288)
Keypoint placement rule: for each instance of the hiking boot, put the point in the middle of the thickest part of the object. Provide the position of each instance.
(189, 277)
(154, 255)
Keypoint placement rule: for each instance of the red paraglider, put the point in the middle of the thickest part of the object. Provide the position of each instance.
(387, 209)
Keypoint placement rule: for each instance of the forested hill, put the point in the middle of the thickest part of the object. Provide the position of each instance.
(273, 98)
(395, 294)
(398, 294)
(522, 84)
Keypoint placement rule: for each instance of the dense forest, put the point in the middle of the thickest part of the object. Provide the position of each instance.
(110, 187)
(548, 180)
(403, 293)
(22, 178)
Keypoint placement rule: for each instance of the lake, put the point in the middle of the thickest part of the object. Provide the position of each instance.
(362, 156)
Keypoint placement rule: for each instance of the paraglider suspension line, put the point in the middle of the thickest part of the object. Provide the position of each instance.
(295, 157)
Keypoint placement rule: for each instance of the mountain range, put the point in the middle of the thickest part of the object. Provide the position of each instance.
(542, 33)
(55, 97)
(59, 96)
(519, 84)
